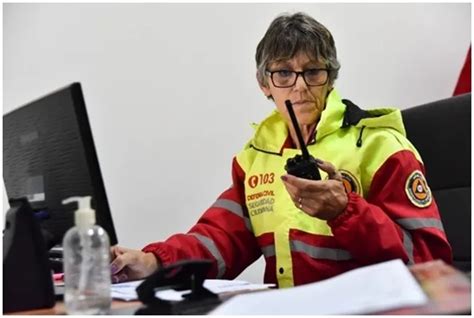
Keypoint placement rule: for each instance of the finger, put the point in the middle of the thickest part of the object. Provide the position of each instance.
(115, 279)
(117, 250)
(289, 179)
(336, 176)
(329, 168)
(298, 187)
(114, 251)
(295, 197)
(119, 263)
(300, 183)
(292, 191)
(122, 277)
(301, 203)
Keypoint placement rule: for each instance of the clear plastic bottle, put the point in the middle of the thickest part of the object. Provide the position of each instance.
(86, 255)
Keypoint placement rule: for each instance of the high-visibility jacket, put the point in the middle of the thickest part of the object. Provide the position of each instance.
(390, 212)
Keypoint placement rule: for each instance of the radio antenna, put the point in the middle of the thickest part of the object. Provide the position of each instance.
(289, 106)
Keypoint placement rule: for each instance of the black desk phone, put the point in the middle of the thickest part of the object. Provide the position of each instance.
(181, 275)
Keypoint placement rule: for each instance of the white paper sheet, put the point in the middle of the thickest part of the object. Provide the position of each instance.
(217, 286)
(368, 289)
(126, 291)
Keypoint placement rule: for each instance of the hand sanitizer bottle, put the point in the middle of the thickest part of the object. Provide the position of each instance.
(86, 254)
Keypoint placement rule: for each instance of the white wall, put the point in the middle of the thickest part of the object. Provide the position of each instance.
(170, 88)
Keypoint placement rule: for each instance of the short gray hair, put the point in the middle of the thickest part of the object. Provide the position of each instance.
(290, 34)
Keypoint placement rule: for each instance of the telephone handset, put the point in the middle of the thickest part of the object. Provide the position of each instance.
(182, 275)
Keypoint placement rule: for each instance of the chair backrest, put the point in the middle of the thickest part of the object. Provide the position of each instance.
(441, 132)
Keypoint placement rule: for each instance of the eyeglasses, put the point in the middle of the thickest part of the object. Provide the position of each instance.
(312, 77)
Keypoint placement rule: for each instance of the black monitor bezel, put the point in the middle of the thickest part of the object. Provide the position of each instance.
(100, 196)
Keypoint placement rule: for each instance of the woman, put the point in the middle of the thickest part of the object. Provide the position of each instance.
(375, 207)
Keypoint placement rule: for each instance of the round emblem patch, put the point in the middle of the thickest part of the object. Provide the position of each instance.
(349, 181)
(417, 189)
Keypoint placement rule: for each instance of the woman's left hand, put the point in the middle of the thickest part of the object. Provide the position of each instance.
(324, 199)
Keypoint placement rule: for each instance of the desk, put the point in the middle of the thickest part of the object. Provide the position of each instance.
(118, 308)
(448, 289)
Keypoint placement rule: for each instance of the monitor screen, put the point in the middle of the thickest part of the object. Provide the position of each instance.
(48, 156)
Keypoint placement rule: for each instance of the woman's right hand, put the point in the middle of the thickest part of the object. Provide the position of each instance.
(129, 264)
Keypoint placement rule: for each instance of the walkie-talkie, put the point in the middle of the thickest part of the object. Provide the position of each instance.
(301, 166)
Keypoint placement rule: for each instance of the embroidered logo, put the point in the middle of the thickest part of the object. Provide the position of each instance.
(260, 202)
(253, 181)
(351, 184)
(417, 189)
(262, 178)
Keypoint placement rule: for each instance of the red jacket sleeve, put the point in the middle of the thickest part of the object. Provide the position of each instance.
(222, 234)
(394, 221)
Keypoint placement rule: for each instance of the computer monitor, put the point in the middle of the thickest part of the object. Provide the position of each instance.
(48, 156)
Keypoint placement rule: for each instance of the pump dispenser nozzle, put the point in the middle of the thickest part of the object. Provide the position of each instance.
(84, 215)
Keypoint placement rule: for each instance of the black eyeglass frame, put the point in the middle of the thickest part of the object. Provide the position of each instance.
(297, 75)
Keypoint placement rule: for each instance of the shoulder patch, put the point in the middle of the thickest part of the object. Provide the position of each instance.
(351, 184)
(417, 189)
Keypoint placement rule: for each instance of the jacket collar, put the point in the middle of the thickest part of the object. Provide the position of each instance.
(271, 134)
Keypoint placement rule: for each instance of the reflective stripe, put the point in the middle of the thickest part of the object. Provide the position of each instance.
(415, 224)
(320, 252)
(233, 207)
(408, 244)
(419, 223)
(268, 250)
(211, 246)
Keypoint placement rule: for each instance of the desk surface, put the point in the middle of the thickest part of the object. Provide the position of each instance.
(448, 289)
(118, 308)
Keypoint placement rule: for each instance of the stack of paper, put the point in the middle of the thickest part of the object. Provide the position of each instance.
(364, 290)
